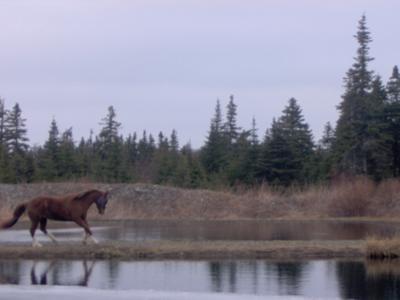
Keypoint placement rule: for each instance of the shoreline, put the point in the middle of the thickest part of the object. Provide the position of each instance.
(186, 250)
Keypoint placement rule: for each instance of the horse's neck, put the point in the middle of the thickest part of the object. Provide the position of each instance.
(89, 200)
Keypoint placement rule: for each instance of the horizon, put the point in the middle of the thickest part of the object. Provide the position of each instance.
(163, 65)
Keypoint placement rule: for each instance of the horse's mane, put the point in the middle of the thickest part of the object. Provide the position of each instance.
(86, 194)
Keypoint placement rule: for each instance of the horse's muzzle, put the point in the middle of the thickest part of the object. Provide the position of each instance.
(101, 211)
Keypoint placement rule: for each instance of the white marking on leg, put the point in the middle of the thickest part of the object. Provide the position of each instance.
(85, 237)
(93, 239)
(35, 243)
(52, 237)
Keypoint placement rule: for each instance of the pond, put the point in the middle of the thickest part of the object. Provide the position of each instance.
(211, 230)
(198, 279)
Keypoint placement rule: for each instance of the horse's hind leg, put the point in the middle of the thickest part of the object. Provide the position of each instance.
(34, 225)
(43, 224)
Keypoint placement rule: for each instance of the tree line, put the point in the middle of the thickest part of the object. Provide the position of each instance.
(365, 141)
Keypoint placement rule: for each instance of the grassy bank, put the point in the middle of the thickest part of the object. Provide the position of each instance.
(381, 248)
(358, 197)
(191, 250)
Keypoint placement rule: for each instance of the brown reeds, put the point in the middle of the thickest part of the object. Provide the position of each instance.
(352, 197)
(383, 248)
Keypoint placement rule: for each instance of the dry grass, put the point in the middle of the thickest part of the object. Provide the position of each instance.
(356, 197)
(386, 248)
(190, 250)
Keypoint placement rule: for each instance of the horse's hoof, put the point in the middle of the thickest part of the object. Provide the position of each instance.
(37, 245)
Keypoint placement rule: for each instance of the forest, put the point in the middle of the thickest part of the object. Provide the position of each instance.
(365, 141)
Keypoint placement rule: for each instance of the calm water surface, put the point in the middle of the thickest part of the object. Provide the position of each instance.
(212, 230)
(320, 278)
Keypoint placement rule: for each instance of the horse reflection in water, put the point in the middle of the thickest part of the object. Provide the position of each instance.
(51, 268)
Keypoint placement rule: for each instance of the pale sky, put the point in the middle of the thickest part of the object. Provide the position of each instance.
(162, 64)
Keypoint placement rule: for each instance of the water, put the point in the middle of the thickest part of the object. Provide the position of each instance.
(212, 230)
(313, 279)
(223, 279)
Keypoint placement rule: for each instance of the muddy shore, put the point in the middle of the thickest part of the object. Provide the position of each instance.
(189, 250)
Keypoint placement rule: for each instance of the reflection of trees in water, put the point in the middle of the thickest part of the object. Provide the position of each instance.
(216, 276)
(355, 284)
(113, 270)
(222, 272)
(288, 274)
(352, 280)
(54, 269)
(9, 272)
(224, 275)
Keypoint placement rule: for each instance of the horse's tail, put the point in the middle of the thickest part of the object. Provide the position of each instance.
(17, 214)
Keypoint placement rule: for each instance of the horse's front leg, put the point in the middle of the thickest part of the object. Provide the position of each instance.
(88, 232)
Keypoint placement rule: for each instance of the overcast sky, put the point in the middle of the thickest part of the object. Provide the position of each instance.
(163, 64)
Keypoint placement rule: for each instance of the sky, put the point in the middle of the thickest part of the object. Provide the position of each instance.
(163, 64)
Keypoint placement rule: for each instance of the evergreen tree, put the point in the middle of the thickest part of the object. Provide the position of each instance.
(145, 169)
(213, 154)
(288, 148)
(68, 161)
(161, 162)
(131, 155)
(377, 141)
(174, 158)
(278, 163)
(352, 127)
(15, 131)
(49, 164)
(4, 170)
(110, 147)
(323, 159)
(230, 127)
(190, 174)
(253, 132)
(17, 147)
(393, 86)
(393, 118)
(3, 114)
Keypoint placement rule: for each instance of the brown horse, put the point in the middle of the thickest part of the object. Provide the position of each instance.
(70, 208)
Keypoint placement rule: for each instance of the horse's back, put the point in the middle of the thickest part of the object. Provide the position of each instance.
(48, 207)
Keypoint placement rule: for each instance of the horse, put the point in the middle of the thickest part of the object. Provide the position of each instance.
(69, 208)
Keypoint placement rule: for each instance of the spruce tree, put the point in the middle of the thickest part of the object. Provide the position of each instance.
(130, 154)
(393, 117)
(110, 147)
(15, 131)
(377, 143)
(3, 114)
(84, 158)
(189, 173)
(213, 153)
(288, 148)
(323, 159)
(230, 128)
(68, 158)
(16, 142)
(278, 164)
(161, 162)
(49, 165)
(4, 167)
(352, 126)
(393, 86)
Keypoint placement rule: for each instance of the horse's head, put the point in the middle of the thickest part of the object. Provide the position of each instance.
(101, 202)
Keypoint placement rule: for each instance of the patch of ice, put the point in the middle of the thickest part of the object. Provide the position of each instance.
(77, 293)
